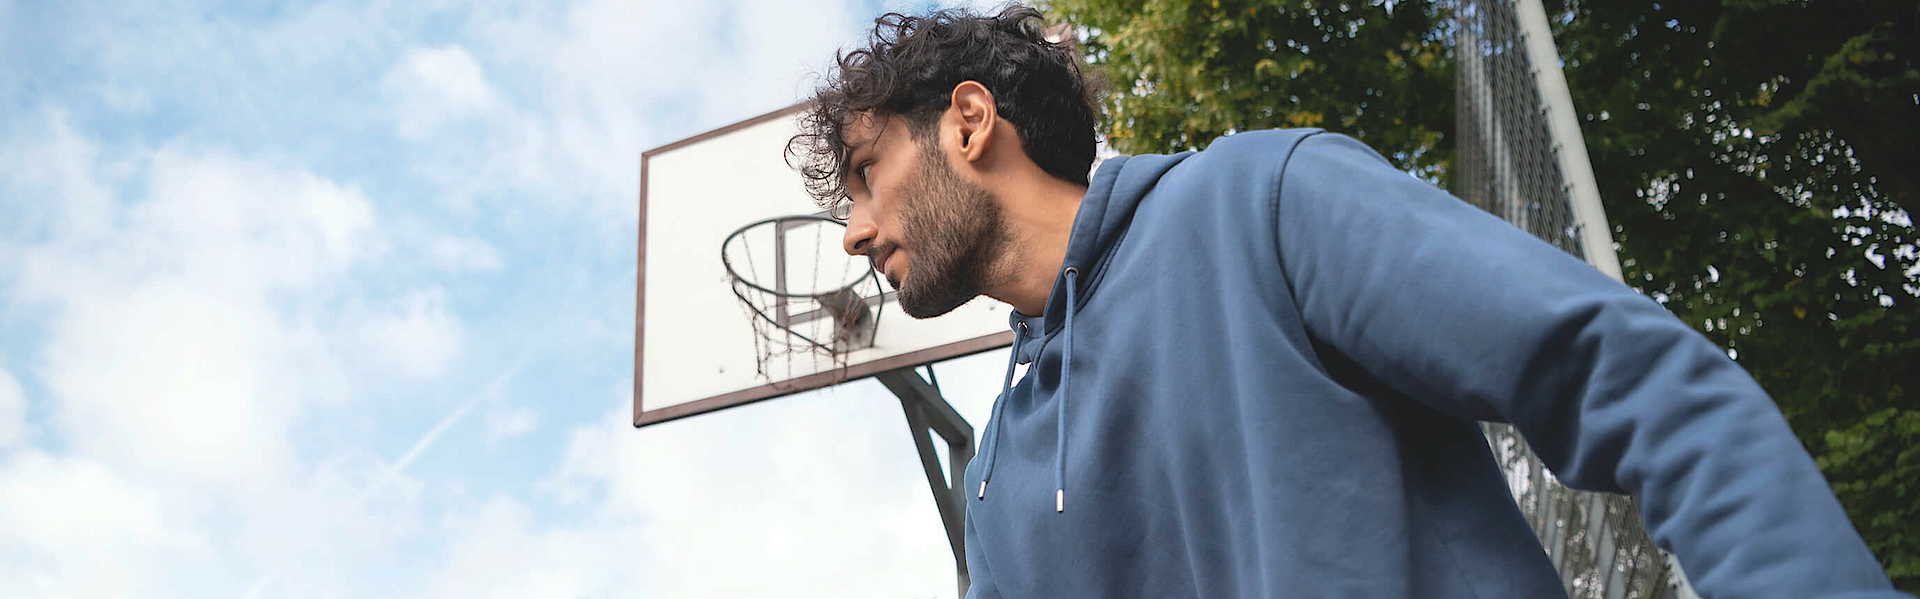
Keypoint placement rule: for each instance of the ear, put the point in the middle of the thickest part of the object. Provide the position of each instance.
(972, 118)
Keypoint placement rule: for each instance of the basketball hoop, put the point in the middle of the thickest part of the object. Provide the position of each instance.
(776, 269)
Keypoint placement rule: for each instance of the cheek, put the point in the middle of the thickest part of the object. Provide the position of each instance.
(896, 211)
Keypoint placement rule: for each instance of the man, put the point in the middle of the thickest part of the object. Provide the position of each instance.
(1257, 370)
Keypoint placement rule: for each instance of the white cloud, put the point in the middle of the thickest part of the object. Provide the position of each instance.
(125, 98)
(241, 224)
(192, 317)
(165, 349)
(341, 529)
(595, 82)
(63, 167)
(13, 409)
(506, 422)
(810, 496)
(417, 340)
(187, 386)
(71, 521)
(464, 254)
(437, 87)
(239, 68)
(219, 291)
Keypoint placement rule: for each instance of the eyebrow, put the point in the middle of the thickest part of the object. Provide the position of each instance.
(856, 147)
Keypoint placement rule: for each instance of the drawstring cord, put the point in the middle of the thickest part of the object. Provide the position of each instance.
(1060, 403)
(993, 447)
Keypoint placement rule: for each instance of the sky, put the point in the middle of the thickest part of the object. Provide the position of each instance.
(335, 299)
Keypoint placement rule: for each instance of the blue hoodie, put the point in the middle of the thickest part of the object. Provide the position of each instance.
(1259, 373)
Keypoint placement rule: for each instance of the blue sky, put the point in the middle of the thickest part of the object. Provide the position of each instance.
(336, 299)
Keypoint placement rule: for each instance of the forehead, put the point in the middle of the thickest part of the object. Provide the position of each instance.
(870, 132)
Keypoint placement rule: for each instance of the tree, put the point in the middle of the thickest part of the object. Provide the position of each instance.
(1770, 208)
(1188, 72)
(1752, 157)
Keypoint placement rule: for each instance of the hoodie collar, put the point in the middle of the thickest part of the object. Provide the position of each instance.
(1113, 194)
(1101, 221)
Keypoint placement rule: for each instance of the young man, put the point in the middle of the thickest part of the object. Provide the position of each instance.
(1257, 370)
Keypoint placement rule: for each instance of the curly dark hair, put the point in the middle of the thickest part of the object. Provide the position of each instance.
(909, 68)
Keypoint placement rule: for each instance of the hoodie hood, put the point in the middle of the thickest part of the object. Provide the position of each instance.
(1113, 194)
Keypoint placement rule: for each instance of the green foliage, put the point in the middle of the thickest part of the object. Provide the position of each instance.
(1754, 157)
(1770, 207)
(1875, 465)
(1186, 72)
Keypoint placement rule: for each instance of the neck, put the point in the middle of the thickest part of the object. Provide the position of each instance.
(1039, 222)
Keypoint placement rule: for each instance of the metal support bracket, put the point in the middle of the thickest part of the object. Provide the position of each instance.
(927, 410)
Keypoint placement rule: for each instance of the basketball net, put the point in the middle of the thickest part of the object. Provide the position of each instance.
(809, 304)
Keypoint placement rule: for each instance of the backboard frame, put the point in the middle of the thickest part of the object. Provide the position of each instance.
(642, 416)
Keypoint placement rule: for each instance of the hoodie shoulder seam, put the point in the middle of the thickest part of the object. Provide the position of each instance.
(1275, 188)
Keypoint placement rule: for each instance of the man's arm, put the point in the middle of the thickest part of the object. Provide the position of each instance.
(1478, 319)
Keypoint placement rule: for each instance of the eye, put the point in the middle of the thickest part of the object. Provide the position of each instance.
(863, 171)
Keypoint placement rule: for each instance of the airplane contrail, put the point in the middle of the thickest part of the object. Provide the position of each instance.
(432, 435)
(426, 440)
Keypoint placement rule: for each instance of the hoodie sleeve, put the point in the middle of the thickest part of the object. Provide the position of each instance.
(1465, 313)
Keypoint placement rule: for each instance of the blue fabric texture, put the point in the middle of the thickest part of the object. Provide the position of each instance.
(1278, 351)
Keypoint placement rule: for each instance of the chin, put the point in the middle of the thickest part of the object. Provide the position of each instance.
(919, 305)
(922, 312)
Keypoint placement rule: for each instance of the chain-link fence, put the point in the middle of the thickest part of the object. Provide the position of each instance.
(1507, 165)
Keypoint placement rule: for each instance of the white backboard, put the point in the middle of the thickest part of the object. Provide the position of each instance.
(694, 340)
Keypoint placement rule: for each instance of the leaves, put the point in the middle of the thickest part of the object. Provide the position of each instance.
(1875, 464)
(1186, 73)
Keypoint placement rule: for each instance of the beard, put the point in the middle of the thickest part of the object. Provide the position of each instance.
(956, 231)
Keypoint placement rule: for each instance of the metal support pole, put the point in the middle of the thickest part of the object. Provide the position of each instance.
(927, 410)
(1596, 236)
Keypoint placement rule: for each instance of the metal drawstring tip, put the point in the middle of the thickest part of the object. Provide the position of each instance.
(1059, 500)
(983, 488)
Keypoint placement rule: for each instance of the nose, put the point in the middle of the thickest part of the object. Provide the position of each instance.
(860, 235)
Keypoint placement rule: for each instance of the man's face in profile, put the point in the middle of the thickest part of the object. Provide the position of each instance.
(929, 231)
